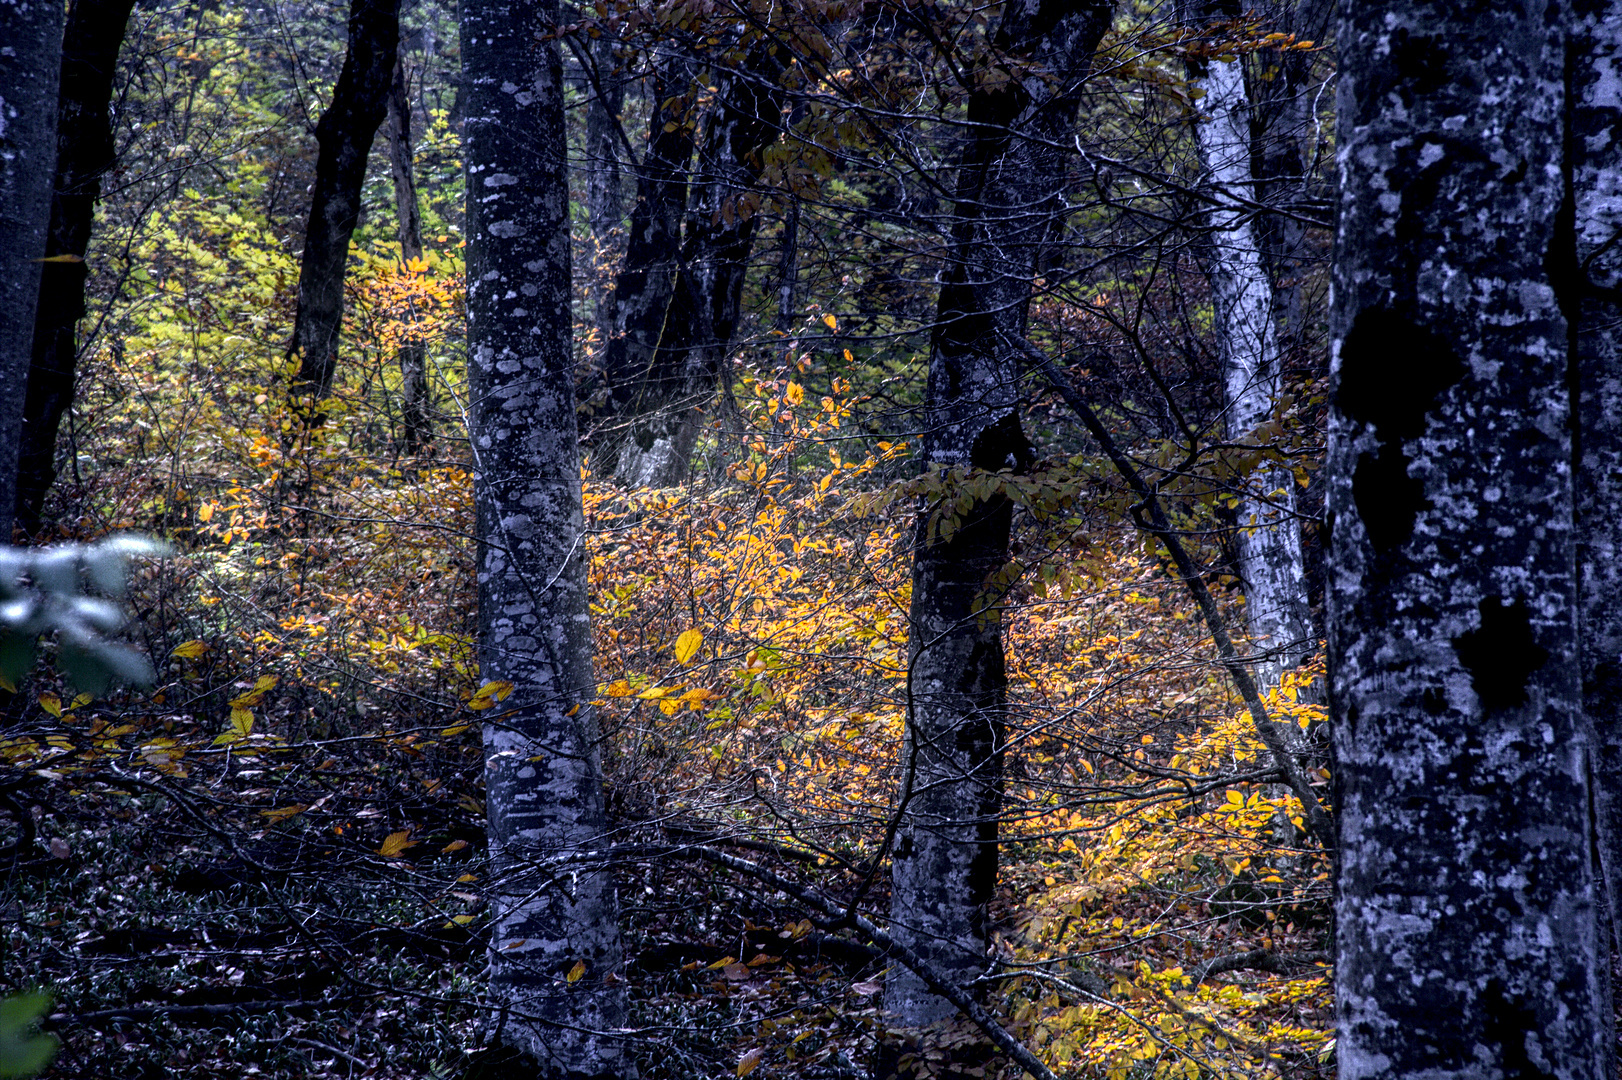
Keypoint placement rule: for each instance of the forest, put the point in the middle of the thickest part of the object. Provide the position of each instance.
(826, 539)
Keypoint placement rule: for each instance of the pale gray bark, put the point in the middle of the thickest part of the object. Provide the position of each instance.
(1466, 915)
(944, 863)
(1269, 537)
(1594, 144)
(553, 906)
(30, 60)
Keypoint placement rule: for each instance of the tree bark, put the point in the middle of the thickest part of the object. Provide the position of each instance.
(644, 289)
(344, 134)
(1466, 915)
(944, 864)
(1271, 563)
(84, 154)
(551, 910)
(30, 66)
(660, 406)
(413, 353)
(1595, 268)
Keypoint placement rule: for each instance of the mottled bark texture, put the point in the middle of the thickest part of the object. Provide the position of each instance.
(84, 154)
(1466, 921)
(1009, 182)
(413, 353)
(605, 207)
(679, 319)
(1268, 540)
(344, 135)
(553, 903)
(1593, 302)
(30, 65)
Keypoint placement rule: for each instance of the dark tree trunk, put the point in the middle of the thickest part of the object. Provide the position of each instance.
(552, 899)
(30, 67)
(1467, 917)
(84, 154)
(645, 287)
(413, 353)
(657, 404)
(344, 134)
(603, 145)
(1595, 266)
(944, 865)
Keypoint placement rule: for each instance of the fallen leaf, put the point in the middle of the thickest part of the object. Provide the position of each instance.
(750, 1061)
(395, 843)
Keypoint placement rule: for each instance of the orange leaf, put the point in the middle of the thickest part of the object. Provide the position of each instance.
(395, 843)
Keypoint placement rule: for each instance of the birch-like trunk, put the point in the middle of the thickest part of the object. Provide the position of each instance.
(30, 63)
(1467, 914)
(1269, 537)
(553, 903)
(344, 135)
(412, 354)
(1595, 264)
(1010, 180)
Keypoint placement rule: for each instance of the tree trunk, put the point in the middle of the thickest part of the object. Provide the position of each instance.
(84, 154)
(660, 407)
(413, 354)
(605, 210)
(1269, 538)
(344, 134)
(644, 289)
(30, 66)
(1595, 265)
(1466, 915)
(944, 865)
(553, 904)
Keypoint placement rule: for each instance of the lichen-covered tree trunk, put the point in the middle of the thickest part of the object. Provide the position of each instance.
(30, 65)
(944, 864)
(412, 355)
(344, 135)
(553, 903)
(1268, 541)
(1594, 144)
(1466, 916)
(84, 154)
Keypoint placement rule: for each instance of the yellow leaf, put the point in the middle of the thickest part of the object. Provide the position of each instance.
(395, 843)
(721, 963)
(795, 394)
(491, 692)
(687, 644)
(618, 688)
(454, 845)
(282, 813)
(65, 258)
(461, 920)
(748, 1063)
(577, 971)
(190, 650)
(205, 513)
(83, 700)
(455, 729)
(830, 322)
(51, 704)
(241, 721)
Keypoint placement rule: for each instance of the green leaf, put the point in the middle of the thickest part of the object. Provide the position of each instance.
(23, 1051)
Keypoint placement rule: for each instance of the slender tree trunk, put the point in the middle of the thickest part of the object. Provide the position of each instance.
(1269, 538)
(360, 100)
(413, 354)
(84, 154)
(1595, 265)
(1467, 911)
(605, 209)
(553, 906)
(944, 864)
(30, 66)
